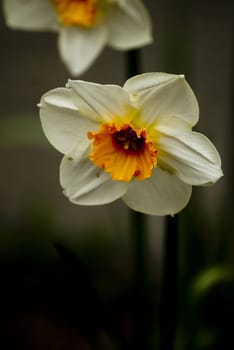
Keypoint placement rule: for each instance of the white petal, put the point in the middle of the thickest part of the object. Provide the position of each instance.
(108, 101)
(80, 47)
(86, 184)
(160, 94)
(191, 156)
(129, 25)
(30, 14)
(161, 194)
(143, 82)
(62, 123)
(171, 126)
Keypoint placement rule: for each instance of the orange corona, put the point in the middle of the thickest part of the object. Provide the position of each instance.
(82, 13)
(124, 152)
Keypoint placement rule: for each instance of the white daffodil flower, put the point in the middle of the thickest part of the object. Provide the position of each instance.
(134, 143)
(84, 26)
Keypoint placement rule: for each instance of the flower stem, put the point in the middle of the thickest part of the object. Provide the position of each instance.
(140, 311)
(133, 63)
(168, 310)
(138, 230)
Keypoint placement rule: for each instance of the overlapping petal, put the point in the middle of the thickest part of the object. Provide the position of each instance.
(143, 82)
(161, 194)
(86, 184)
(160, 94)
(191, 156)
(110, 102)
(62, 123)
(30, 14)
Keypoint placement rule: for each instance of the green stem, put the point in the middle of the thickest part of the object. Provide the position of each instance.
(168, 312)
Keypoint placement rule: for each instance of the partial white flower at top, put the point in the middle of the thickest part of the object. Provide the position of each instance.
(84, 26)
(134, 143)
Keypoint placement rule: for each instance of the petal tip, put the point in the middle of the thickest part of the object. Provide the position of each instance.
(68, 83)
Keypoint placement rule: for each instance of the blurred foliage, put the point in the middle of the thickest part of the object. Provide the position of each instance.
(208, 279)
(206, 287)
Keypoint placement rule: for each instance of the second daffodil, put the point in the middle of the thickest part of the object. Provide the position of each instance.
(84, 26)
(134, 143)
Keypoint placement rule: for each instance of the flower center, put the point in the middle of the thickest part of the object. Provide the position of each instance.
(123, 152)
(84, 13)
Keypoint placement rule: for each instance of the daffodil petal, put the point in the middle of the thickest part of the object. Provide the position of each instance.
(84, 183)
(171, 126)
(30, 15)
(62, 123)
(110, 102)
(190, 156)
(79, 47)
(67, 98)
(129, 25)
(108, 131)
(160, 94)
(143, 82)
(161, 194)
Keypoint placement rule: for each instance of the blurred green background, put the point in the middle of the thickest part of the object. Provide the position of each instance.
(67, 272)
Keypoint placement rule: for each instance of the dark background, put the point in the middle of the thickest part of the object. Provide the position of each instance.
(66, 271)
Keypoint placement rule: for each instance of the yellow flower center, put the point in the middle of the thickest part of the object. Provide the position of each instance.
(84, 13)
(123, 152)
